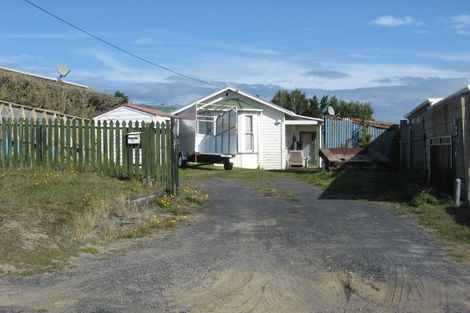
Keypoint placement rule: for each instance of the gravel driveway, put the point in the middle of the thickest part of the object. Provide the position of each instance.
(247, 253)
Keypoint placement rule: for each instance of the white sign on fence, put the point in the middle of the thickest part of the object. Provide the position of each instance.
(133, 138)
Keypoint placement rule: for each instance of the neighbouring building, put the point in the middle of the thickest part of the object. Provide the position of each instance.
(261, 134)
(130, 112)
(435, 138)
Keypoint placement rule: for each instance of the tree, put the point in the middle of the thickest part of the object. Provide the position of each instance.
(317, 108)
(354, 109)
(282, 98)
(122, 96)
(298, 102)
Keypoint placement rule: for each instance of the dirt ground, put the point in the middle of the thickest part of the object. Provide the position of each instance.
(245, 252)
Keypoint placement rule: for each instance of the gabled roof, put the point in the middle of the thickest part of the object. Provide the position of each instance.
(462, 91)
(428, 102)
(259, 100)
(147, 109)
(435, 102)
(142, 108)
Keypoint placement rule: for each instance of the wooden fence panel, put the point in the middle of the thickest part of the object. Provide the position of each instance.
(99, 147)
(88, 146)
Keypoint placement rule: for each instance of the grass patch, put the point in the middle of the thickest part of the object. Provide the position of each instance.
(90, 250)
(408, 193)
(271, 191)
(48, 216)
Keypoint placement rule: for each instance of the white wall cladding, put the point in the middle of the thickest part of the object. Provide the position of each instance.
(271, 132)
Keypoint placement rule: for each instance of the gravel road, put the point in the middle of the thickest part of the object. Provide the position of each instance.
(247, 253)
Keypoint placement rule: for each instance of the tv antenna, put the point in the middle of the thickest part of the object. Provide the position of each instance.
(62, 70)
(331, 111)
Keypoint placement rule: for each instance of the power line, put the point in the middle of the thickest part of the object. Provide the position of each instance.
(119, 48)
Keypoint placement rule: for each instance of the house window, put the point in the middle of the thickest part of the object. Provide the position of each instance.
(205, 127)
(249, 136)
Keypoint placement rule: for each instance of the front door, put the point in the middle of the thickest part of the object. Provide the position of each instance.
(308, 147)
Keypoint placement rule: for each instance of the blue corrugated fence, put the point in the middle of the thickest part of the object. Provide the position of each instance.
(347, 133)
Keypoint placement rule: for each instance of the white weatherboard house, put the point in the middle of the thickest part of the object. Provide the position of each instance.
(130, 112)
(266, 136)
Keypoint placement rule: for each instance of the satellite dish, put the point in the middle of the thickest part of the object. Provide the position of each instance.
(63, 71)
(331, 111)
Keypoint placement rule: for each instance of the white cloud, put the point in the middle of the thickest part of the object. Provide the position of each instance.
(460, 21)
(273, 70)
(461, 24)
(390, 21)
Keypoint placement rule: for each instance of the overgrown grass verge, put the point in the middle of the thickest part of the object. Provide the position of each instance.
(406, 192)
(168, 212)
(48, 216)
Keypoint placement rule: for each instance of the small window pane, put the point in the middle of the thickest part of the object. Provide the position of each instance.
(249, 124)
(249, 142)
(205, 127)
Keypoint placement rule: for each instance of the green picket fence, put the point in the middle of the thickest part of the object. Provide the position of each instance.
(84, 145)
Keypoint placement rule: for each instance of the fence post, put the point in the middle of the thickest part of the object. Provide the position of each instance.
(99, 149)
(167, 153)
(137, 153)
(4, 142)
(105, 146)
(15, 148)
(158, 150)
(26, 143)
(125, 151)
(50, 147)
(117, 145)
(56, 144)
(62, 144)
(86, 137)
(152, 151)
(21, 143)
(80, 145)
(92, 146)
(174, 158)
(111, 148)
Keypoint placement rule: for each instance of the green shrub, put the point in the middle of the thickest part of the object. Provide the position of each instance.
(424, 197)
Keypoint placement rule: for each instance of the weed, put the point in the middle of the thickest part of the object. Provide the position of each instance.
(424, 197)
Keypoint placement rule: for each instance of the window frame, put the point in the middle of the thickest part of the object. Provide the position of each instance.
(249, 133)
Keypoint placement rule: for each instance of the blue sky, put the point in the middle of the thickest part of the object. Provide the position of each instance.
(392, 54)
